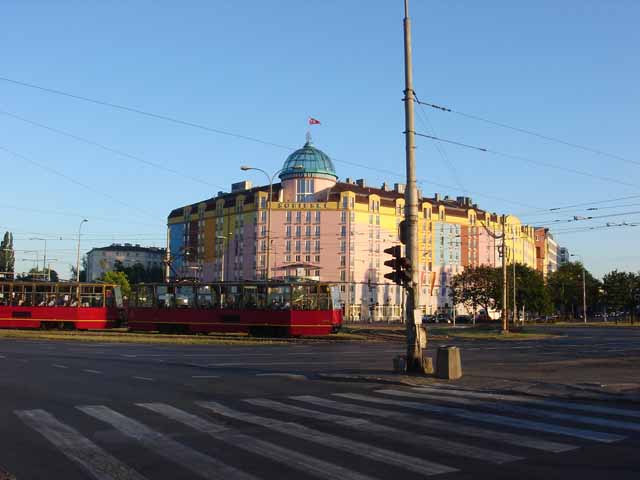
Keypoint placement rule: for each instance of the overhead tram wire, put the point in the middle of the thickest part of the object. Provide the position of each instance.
(546, 211)
(531, 132)
(227, 133)
(532, 161)
(72, 180)
(107, 148)
(443, 154)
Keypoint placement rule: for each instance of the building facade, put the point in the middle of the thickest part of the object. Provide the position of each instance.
(563, 256)
(546, 251)
(103, 259)
(337, 231)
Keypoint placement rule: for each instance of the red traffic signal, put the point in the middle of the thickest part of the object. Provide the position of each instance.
(398, 264)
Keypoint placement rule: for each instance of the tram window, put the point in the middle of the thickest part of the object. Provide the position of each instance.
(205, 297)
(91, 296)
(279, 298)
(164, 294)
(298, 297)
(185, 297)
(324, 298)
(231, 296)
(144, 296)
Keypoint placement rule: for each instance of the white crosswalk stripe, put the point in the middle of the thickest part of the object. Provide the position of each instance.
(433, 443)
(200, 464)
(305, 463)
(418, 465)
(492, 418)
(456, 428)
(502, 407)
(97, 462)
(623, 412)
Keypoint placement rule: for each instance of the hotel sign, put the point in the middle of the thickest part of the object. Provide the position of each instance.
(303, 205)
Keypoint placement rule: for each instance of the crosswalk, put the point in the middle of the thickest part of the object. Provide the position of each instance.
(415, 432)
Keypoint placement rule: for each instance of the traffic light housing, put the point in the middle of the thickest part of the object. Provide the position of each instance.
(400, 266)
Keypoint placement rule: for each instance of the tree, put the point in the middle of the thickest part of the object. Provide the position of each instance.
(84, 264)
(7, 256)
(620, 290)
(39, 275)
(118, 278)
(565, 289)
(139, 274)
(475, 287)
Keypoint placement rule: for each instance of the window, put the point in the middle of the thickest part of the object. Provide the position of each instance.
(263, 202)
(307, 258)
(287, 246)
(318, 216)
(263, 216)
(343, 261)
(287, 258)
(317, 245)
(343, 217)
(307, 245)
(317, 273)
(298, 245)
(343, 276)
(317, 230)
(298, 231)
(288, 216)
(308, 231)
(288, 231)
(308, 217)
(343, 231)
(297, 258)
(298, 217)
(304, 189)
(317, 259)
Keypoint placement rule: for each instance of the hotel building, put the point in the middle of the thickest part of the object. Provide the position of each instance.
(337, 231)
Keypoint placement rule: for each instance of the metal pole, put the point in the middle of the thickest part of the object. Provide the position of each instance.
(513, 259)
(78, 257)
(584, 294)
(505, 295)
(413, 319)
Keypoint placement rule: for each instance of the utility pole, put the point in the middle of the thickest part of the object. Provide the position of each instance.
(513, 259)
(505, 294)
(412, 315)
(584, 294)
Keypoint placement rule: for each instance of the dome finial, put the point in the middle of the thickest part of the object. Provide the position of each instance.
(308, 138)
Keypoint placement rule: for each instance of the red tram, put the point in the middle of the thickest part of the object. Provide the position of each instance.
(259, 308)
(65, 305)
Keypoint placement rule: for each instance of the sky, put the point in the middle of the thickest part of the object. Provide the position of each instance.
(567, 70)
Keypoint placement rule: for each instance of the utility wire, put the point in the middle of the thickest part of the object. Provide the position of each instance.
(72, 180)
(533, 161)
(546, 211)
(530, 132)
(224, 132)
(107, 148)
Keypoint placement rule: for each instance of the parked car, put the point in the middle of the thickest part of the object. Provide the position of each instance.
(463, 319)
(429, 319)
(443, 318)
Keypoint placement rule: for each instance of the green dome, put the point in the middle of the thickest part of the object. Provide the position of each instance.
(308, 161)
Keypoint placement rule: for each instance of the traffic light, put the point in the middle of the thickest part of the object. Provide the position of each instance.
(400, 274)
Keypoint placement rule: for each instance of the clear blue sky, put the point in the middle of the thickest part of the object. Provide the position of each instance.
(568, 69)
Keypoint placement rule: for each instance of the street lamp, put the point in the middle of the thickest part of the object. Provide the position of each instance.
(270, 178)
(584, 287)
(44, 261)
(78, 258)
(222, 256)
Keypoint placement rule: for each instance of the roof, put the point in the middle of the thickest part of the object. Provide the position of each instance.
(308, 161)
(127, 247)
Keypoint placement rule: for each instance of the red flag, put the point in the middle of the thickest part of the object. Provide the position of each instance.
(314, 121)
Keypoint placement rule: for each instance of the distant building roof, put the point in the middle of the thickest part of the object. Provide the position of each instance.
(128, 247)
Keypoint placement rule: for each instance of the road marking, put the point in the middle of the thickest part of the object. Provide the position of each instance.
(492, 418)
(433, 443)
(501, 407)
(536, 401)
(205, 376)
(57, 365)
(305, 463)
(198, 463)
(456, 428)
(146, 379)
(97, 372)
(93, 459)
(414, 464)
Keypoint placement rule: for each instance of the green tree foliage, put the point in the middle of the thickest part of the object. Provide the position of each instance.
(475, 287)
(620, 290)
(7, 256)
(118, 278)
(139, 274)
(565, 289)
(35, 274)
(84, 264)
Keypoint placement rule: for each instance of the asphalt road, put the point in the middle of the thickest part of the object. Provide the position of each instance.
(124, 411)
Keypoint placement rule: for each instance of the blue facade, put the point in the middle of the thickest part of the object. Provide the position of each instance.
(447, 244)
(176, 247)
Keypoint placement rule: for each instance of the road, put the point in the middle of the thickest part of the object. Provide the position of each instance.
(127, 411)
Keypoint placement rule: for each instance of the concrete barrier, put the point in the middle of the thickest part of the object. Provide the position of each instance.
(427, 365)
(448, 364)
